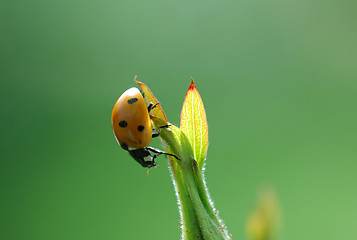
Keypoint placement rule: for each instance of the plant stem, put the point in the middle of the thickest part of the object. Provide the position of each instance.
(188, 219)
(198, 216)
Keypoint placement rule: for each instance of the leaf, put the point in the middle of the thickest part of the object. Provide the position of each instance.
(194, 123)
(149, 97)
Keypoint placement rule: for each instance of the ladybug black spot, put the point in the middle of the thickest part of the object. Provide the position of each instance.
(132, 100)
(141, 128)
(124, 146)
(123, 124)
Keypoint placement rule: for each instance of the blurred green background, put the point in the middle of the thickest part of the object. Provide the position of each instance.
(278, 80)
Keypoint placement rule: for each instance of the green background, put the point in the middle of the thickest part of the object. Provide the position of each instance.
(279, 84)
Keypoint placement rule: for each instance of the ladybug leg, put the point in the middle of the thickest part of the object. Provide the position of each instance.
(159, 152)
(152, 106)
(156, 134)
(153, 158)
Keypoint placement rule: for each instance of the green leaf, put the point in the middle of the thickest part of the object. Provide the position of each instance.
(194, 124)
(149, 97)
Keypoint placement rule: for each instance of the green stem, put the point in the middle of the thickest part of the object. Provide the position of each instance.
(208, 204)
(203, 218)
(189, 221)
(198, 216)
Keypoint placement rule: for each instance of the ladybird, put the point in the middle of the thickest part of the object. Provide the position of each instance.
(132, 127)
